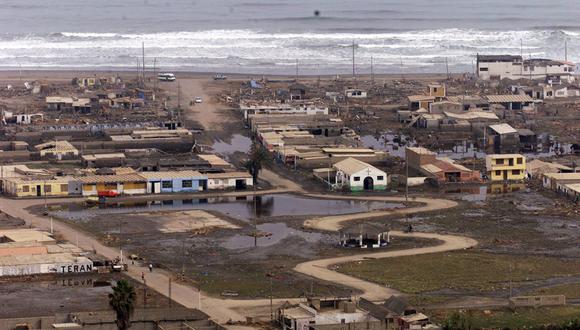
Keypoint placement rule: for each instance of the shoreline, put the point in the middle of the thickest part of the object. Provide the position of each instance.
(64, 73)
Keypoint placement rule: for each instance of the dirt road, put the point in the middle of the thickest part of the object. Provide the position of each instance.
(206, 113)
(322, 269)
(334, 223)
(223, 310)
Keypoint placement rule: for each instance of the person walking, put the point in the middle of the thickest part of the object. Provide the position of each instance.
(151, 268)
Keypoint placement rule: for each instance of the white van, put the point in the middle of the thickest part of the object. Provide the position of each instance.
(166, 76)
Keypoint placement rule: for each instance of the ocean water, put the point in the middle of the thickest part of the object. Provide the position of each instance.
(267, 36)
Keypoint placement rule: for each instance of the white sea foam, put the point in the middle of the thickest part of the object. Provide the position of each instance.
(252, 50)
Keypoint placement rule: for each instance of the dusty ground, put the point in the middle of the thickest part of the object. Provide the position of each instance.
(47, 295)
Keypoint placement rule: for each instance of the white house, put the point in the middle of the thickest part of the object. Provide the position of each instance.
(229, 180)
(515, 67)
(355, 94)
(300, 108)
(359, 175)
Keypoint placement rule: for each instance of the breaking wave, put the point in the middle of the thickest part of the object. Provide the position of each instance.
(244, 50)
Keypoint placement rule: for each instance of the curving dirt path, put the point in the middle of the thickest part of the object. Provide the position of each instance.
(322, 268)
(223, 310)
(334, 222)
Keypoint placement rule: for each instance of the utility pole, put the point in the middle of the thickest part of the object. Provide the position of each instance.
(154, 75)
(402, 70)
(566, 50)
(522, 56)
(255, 217)
(143, 49)
(447, 67)
(353, 64)
(178, 95)
(169, 291)
(372, 73)
(406, 177)
(296, 77)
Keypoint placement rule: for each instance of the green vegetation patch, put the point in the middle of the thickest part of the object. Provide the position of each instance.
(471, 271)
(566, 317)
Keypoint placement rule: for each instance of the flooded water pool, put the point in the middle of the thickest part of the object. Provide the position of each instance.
(237, 143)
(242, 208)
(276, 232)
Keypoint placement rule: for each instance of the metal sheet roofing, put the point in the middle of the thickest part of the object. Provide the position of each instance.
(503, 129)
(508, 98)
(228, 175)
(417, 98)
(111, 178)
(472, 115)
(169, 175)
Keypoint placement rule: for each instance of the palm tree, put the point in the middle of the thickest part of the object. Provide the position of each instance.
(258, 158)
(122, 300)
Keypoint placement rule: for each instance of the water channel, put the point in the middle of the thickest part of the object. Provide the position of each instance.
(242, 208)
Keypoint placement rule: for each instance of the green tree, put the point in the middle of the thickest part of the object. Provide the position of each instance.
(458, 321)
(259, 157)
(122, 300)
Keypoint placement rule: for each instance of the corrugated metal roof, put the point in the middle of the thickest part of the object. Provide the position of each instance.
(431, 168)
(508, 98)
(347, 150)
(421, 150)
(574, 186)
(162, 175)
(503, 129)
(228, 175)
(472, 115)
(417, 98)
(214, 160)
(111, 178)
(563, 176)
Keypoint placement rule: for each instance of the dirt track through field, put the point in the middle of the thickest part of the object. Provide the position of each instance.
(223, 310)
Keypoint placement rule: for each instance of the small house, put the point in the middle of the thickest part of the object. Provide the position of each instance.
(437, 90)
(445, 106)
(57, 149)
(355, 93)
(229, 180)
(357, 175)
(503, 137)
(174, 181)
(36, 187)
(507, 167)
(59, 103)
(512, 102)
(417, 102)
(298, 91)
(128, 184)
(440, 169)
(556, 181)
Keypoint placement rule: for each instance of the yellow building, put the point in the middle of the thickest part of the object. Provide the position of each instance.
(509, 167)
(28, 187)
(438, 90)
